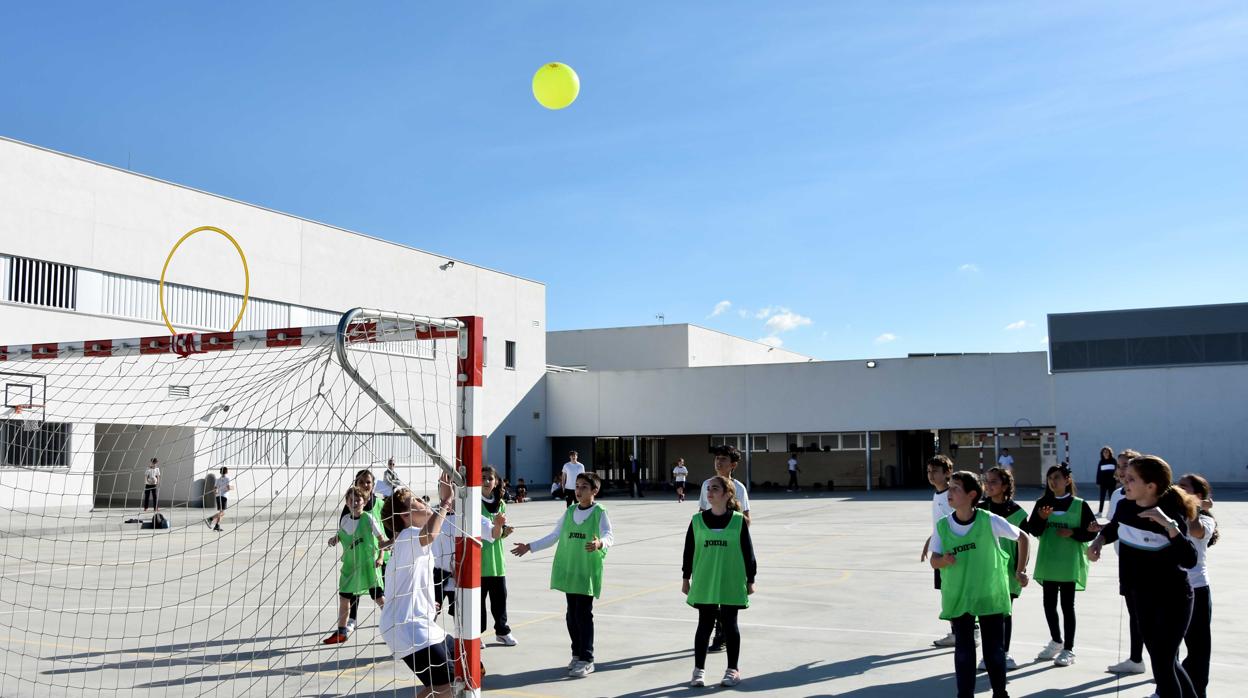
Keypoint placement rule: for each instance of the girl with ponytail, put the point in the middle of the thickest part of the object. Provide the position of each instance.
(1204, 533)
(1153, 565)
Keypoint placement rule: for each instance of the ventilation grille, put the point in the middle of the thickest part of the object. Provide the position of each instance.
(42, 283)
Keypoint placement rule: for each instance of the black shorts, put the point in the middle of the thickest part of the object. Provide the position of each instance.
(432, 665)
(375, 593)
(936, 575)
(222, 502)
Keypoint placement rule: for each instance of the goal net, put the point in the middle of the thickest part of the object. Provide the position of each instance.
(97, 435)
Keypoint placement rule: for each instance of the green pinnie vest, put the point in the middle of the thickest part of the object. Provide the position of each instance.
(1011, 549)
(576, 570)
(1063, 559)
(492, 551)
(718, 566)
(359, 554)
(978, 582)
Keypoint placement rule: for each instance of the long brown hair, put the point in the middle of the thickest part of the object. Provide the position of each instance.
(1203, 491)
(729, 489)
(1172, 500)
(398, 503)
(1007, 481)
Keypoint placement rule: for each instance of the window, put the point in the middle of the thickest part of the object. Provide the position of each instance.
(35, 444)
(830, 442)
(758, 444)
(42, 283)
(851, 442)
(511, 355)
(250, 447)
(735, 440)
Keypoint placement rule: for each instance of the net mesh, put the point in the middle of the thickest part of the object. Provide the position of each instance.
(95, 603)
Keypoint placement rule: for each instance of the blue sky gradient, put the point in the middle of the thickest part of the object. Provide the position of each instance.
(854, 178)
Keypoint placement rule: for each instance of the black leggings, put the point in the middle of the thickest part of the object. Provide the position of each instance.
(1198, 640)
(1067, 592)
(1007, 627)
(149, 492)
(1106, 491)
(495, 589)
(1163, 622)
(1133, 628)
(726, 617)
(580, 619)
(991, 630)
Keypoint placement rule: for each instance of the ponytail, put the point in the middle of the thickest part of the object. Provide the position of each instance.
(1202, 490)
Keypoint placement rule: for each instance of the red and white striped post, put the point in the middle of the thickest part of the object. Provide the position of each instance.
(1066, 439)
(469, 443)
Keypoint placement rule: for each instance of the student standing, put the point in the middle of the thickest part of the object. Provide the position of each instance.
(1153, 564)
(680, 474)
(727, 458)
(361, 536)
(583, 535)
(1006, 460)
(999, 500)
(1065, 524)
(366, 484)
(407, 620)
(223, 492)
(567, 477)
(718, 570)
(1134, 663)
(493, 568)
(151, 480)
(1204, 533)
(793, 471)
(975, 581)
(939, 468)
(1105, 479)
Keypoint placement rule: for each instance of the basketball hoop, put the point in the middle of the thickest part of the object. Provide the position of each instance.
(32, 423)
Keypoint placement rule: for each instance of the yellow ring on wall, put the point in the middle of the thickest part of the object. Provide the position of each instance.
(246, 275)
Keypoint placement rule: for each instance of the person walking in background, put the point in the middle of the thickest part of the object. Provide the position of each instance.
(151, 481)
(1105, 476)
(567, 478)
(634, 477)
(681, 475)
(793, 471)
(1006, 460)
(223, 500)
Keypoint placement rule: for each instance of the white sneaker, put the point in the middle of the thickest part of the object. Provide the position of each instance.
(350, 627)
(699, 678)
(1010, 664)
(582, 670)
(1126, 666)
(507, 640)
(1050, 650)
(732, 677)
(946, 641)
(1065, 658)
(572, 664)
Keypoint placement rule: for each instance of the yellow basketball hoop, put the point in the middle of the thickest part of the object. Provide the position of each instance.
(246, 275)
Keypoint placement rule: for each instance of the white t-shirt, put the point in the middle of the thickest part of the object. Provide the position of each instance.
(578, 517)
(570, 471)
(348, 525)
(1000, 528)
(681, 473)
(444, 545)
(940, 505)
(743, 497)
(407, 618)
(792, 465)
(223, 485)
(1006, 461)
(1116, 496)
(152, 475)
(1198, 576)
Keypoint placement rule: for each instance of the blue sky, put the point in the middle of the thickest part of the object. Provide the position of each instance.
(853, 179)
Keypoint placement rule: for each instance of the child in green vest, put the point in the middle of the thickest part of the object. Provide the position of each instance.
(361, 536)
(583, 534)
(493, 571)
(967, 550)
(1065, 525)
(719, 570)
(366, 484)
(999, 499)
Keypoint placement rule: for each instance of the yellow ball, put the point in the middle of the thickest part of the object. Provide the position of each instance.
(555, 85)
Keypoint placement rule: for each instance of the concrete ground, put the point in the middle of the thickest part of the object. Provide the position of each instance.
(844, 607)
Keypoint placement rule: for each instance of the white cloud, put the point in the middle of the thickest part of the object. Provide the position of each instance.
(1021, 324)
(785, 320)
(772, 341)
(885, 338)
(721, 308)
(969, 268)
(765, 312)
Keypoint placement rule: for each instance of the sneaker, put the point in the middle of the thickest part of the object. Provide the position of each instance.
(572, 664)
(208, 522)
(1065, 658)
(350, 626)
(981, 666)
(1126, 666)
(732, 677)
(334, 639)
(507, 640)
(1050, 650)
(1010, 664)
(699, 678)
(716, 647)
(582, 670)
(217, 528)
(946, 641)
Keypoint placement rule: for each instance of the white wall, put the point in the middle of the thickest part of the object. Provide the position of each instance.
(920, 393)
(658, 346)
(1194, 417)
(63, 209)
(23, 489)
